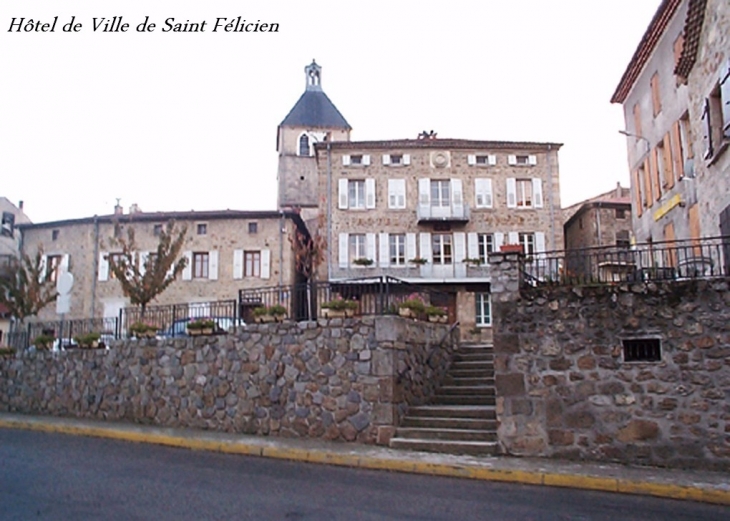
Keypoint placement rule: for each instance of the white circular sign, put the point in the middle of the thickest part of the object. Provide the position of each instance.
(64, 283)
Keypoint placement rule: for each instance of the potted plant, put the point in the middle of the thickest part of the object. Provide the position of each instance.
(411, 307)
(7, 351)
(418, 261)
(44, 342)
(261, 315)
(363, 262)
(88, 340)
(142, 330)
(195, 327)
(436, 314)
(207, 327)
(278, 312)
(339, 308)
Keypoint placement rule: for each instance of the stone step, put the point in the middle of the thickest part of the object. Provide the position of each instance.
(483, 412)
(427, 422)
(468, 380)
(473, 357)
(474, 448)
(420, 433)
(471, 364)
(467, 390)
(470, 373)
(445, 399)
(475, 345)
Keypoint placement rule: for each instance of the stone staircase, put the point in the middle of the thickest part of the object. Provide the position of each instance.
(461, 418)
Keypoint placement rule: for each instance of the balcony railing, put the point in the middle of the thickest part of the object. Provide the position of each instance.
(451, 213)
(669, 260)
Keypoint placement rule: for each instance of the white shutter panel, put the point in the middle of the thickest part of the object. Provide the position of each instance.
(511, 192)
(392, 197)
(187, 273)
(725, 98)
(537, 192)
(342, 204)
(539, 242)
(343, 250)
(513, 238)
(103, 266)
(498, 240)
(406, 159)
(213, 265)
(459, 246)
(369, 193)
(265, 264)
(42, 269)
(65, 259)
(492, 159)
(532, 160)
(472, 242)
(471, 159)
(512, 159)
(401, 193)
(457, 197)
(237, 264)
(143, 256)
(426, 252)
(488, 199)
(366, 160)
(424, 196)
(370, 246)
(384, 247)
(411, 246)
(386, 159)
(346, 160)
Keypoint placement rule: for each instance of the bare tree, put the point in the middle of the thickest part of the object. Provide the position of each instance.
(310, 251)
(25, 289)
(144, 279)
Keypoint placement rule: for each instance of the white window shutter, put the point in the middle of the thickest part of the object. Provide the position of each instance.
(370, 246)
(492, 159)
(213, 265)
(346, 160)
(406, 159)
(457, 197)
(483, 193)
(237, 264)
(512, 159)
(498, 240)
(143, 256)
(472, 243)
(725, 97)
(342, 199)
(65, 260)
(411, 246)
(459, 246)
(366, 159)
(265, 264)
(539, 242)
(471, 159)
(513, 238)
(488, 198)
(384, 250)
(187, 273)
(537, 192)
(386, 159)
(343, 247)
(396, 193)
(424, 192)
(532, 160)
(104, 266)
(511, 192)
(426, 252)
(42, 269)
(369, 193)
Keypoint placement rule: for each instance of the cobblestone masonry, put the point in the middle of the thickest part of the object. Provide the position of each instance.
(336, 379)
(565, 390)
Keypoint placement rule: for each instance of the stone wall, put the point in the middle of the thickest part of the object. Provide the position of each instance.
(565, 389)
(337, 379)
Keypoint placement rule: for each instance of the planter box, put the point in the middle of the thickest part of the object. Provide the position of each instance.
(406, 313)
(438, 319)
(264, 319)
(338, 313)
(512, 248)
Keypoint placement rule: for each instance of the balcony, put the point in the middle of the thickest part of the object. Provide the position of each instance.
(445, 272)
(452, 213)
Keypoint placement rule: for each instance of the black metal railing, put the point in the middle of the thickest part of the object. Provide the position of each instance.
(172, 320)
(63, 331)
(667, 260)
(374, 296)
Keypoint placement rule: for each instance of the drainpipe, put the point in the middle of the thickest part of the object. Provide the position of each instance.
(598, 224)
(553, 244)
(281, 248)
(329, 212)
(95, 264)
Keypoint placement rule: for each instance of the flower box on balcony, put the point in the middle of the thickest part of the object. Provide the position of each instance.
(512, 248)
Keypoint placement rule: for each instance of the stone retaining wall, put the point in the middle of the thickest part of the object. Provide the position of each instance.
(565, 390)
(339, 379)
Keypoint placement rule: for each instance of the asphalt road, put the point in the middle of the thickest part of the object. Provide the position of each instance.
(60, 477)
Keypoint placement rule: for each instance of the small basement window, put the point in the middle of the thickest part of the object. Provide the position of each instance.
(642, 350)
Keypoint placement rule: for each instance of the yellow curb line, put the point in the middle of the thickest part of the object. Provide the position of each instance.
(623, 486)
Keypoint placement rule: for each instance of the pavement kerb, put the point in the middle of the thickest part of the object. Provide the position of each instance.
(373, 462)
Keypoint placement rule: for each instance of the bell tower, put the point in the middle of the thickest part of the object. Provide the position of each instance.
(313, 119)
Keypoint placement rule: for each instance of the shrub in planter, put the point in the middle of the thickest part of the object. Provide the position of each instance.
(195, 327)
(363, 262)
(339, 308)
(436, 314)
(44, 341)
(411, 307)
(278, 312)
(262, 314)
(88, 341)
(418, 261)
(142, 330)
(7, 351)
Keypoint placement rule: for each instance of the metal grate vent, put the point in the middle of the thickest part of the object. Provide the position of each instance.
(642, 350)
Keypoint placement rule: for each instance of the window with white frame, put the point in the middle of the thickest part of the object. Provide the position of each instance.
(524, 193)
(485, 246)
(200, 265)
(527, 240)
(483, 309)
(522, 160)
(396, 159)
(482, 159)
(441, 248)
(252, 263)
(483, 193)
(397, 249)
(440, 192)
(357, 246)
(356, 194)
(396, 193)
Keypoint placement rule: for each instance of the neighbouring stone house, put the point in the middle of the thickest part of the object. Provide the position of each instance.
(226, 250)
(603, 220)
(12, 216)
(676, 99)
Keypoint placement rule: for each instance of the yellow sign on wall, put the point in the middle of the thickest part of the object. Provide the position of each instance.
(667, 207)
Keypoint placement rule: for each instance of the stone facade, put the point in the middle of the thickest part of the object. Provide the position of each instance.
(12, 216)
(566, 389)
(81, 246)
(604, 220)
(337, 380)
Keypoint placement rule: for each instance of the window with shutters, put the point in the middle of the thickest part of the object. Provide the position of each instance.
(356, 194)
(483, 309)
(201, 262)
(357, 246)
(716, 116)
(397, 246)
(441, 247)
(483, 193)
(396, 193)
(396, 159)
(524, 193)
(116, 258)
(53, 267)
(482, 160)
(251, 263)
(485, 246)
(357, 159)
(440, 193)
(656, 100)
(527, 240)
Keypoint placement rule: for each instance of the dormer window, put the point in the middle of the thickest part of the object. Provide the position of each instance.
(304, 148)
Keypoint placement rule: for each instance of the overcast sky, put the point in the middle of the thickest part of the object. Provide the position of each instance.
(181, 121)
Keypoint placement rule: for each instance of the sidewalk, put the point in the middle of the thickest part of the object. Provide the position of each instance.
(705, 486)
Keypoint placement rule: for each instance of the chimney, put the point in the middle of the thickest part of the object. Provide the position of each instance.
(118, 210)
(134, 208)
(20, 205)
(619, 190)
